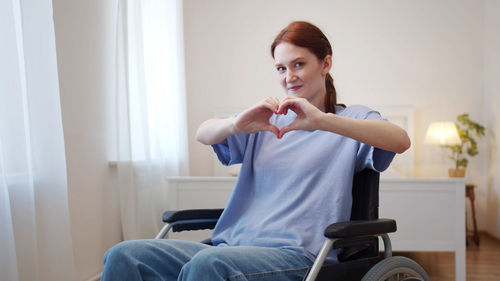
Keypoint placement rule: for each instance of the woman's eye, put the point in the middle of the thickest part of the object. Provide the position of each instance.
(280, 68)
(299, 64)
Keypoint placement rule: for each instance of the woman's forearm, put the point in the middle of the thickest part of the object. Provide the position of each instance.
(377, 133)
(215, 131)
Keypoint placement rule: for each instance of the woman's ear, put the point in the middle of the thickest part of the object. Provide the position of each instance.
(326, 65)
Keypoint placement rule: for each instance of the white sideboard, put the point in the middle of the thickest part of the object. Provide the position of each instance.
(430, 213)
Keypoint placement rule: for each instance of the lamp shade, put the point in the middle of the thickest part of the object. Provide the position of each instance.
(442, 133)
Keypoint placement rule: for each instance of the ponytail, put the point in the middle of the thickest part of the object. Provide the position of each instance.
(331, 95)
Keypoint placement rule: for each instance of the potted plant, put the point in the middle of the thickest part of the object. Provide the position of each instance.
(468, 131)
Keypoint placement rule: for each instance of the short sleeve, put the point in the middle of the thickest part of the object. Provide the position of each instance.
(232, 150)
(371, 157)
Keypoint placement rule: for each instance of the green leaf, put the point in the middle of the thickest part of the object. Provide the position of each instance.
(462, 162)
(468, 131)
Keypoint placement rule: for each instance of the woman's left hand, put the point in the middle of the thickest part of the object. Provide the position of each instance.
(308, 115)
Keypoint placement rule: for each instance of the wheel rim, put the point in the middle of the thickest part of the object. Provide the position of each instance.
(401, 274)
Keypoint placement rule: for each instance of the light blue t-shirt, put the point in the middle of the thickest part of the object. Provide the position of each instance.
(289, 190)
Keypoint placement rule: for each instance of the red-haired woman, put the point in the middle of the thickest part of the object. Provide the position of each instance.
(298, 156)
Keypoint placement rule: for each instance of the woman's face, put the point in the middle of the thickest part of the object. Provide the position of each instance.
(301, 73)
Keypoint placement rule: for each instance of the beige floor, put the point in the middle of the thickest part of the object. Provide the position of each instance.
(483, 261)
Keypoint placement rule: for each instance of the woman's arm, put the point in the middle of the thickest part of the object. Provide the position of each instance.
(215, 131)
(377, 133)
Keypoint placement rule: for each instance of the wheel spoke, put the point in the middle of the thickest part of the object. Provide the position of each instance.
(396, 268)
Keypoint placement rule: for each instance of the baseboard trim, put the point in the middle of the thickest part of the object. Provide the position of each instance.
(494, 237)
(96, 277)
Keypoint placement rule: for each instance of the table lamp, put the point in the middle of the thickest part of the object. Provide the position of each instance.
(442, 133)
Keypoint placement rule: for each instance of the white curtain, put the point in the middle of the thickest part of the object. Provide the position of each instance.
(35, 240)
(151, 114)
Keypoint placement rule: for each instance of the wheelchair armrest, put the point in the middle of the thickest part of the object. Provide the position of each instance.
(173, 216)
(196, 219)
(360, 228)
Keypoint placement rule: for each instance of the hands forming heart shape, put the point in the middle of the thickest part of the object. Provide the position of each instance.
(256, 118)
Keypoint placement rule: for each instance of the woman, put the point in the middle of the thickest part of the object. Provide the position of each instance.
(298, 158)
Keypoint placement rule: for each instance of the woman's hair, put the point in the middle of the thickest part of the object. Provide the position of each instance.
(307, 35)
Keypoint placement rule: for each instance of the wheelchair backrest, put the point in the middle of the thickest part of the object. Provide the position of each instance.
(365, 189)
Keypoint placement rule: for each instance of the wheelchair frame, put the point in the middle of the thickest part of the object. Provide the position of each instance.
(360, 230)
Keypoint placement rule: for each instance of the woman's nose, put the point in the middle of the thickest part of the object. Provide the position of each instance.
(290, 76)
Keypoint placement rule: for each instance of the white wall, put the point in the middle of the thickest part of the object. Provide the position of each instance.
(85, 40)
(490, 194)
(429, 54)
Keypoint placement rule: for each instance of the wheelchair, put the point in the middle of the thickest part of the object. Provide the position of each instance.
(357, 239)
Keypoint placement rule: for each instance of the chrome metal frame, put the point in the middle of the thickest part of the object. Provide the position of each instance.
(164, 230)
(320, 259)
(327, 246)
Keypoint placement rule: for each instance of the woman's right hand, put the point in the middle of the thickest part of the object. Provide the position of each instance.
(256, 118)
(252, 120)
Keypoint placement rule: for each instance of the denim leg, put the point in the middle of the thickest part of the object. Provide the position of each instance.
(151, 259)
(246, 263)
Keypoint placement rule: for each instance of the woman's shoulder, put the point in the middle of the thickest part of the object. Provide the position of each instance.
(355, 111)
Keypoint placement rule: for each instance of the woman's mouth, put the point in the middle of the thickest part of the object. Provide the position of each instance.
(294, 88)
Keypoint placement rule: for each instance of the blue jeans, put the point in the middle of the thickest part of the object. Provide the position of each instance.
(168, 259)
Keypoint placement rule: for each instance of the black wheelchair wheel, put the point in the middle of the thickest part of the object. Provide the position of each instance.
(397, 269)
